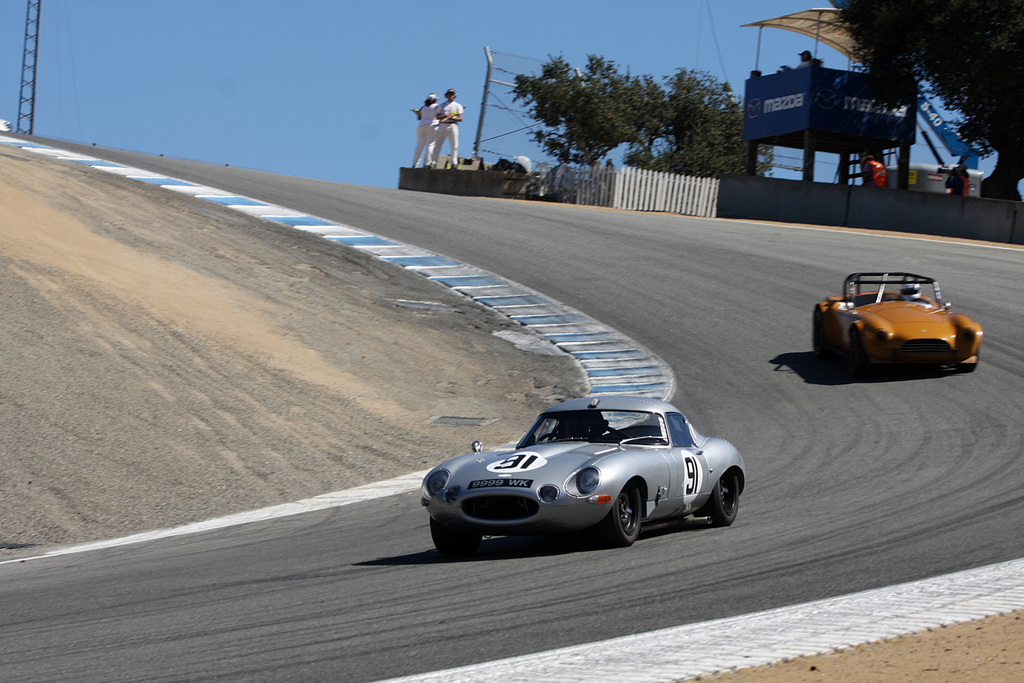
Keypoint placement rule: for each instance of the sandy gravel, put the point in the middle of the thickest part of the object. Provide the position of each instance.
(984, 651)
(167, 360)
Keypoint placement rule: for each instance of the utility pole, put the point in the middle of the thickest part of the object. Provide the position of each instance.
(483, 105)
(27, 101)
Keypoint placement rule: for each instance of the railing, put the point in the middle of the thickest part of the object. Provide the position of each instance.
(631, 189)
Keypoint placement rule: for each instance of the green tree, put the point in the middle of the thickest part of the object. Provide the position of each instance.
(967, 53)
(690, 124)
(694, 127)
(586, 113)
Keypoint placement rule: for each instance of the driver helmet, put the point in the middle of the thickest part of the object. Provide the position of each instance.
(910, 289)
(585, 425)
(596, 424)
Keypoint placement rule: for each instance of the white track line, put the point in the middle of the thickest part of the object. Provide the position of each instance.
(403, 484)
(709, 647)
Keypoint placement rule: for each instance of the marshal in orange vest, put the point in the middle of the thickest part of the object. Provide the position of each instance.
(873, 172)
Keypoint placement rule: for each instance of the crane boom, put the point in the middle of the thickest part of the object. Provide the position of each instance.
(957, 147)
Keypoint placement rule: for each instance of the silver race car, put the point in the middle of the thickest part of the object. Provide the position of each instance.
(604, 465)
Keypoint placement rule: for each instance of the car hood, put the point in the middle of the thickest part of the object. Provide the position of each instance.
(910, 314)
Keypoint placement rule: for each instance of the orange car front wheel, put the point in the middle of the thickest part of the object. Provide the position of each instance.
(857, 359)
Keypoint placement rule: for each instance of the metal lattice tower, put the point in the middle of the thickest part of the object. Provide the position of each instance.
(27, 101)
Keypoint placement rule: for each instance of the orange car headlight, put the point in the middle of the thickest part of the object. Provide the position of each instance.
(968, 333)
(882, 335)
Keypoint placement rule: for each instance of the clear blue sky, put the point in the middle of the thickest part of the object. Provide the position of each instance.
(322, 88)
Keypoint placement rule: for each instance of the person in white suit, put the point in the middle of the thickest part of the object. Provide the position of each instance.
(448, 127)
(426, 131)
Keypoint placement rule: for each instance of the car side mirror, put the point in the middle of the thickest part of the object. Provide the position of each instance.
(477, 446)
(947, 305)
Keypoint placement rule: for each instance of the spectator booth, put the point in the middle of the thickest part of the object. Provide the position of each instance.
(816, 109)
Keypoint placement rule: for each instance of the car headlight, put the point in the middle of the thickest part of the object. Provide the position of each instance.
(587, 480)
(435, 481)
(881, 335)
(548, 493)
(968, 334)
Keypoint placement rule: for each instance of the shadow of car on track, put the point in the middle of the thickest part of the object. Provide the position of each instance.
(515, 547)
(833, 372)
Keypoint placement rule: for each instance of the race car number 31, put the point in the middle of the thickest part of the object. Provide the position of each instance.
(518, 462)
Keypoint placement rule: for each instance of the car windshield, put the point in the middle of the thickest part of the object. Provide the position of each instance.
(596, 426)
(885, 287)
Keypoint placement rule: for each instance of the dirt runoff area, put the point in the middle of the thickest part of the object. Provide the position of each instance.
(167, 360)
(988, 650)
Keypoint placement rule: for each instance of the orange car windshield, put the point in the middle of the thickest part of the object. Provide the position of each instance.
(875, 291)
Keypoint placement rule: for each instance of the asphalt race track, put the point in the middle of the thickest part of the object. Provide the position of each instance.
(851, 485)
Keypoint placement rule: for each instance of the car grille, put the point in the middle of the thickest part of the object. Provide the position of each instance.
(926, 346)
(500, 507)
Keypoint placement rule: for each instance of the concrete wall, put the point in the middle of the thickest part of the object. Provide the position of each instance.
(463, 182)
(790, 201)
(856, 206)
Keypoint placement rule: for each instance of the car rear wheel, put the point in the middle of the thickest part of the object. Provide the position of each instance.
(724, 504)
(621, 527)
(452, 543)
(857, 360)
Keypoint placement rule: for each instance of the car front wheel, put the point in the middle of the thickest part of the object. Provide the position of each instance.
(621, 527)
(857, 359)
(724, 504)
(821, 349)
(451, 543)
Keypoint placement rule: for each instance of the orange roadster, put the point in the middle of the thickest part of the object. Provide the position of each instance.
(894, 318)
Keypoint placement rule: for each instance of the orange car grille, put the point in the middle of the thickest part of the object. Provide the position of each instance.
(500, 507)
(926, 346)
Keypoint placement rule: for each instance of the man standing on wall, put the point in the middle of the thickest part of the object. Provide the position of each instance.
(426, 131)
(448, 127)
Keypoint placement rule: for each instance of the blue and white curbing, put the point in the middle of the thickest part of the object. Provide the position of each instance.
(613, 363)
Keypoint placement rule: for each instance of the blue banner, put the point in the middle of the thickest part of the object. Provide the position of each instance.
(825, 100)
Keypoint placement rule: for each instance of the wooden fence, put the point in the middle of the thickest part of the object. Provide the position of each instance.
(632, 189)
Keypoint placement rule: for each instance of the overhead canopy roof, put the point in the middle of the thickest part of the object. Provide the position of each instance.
(822, 24)
(832, 143)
